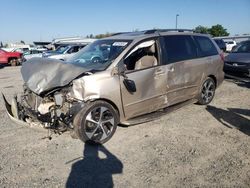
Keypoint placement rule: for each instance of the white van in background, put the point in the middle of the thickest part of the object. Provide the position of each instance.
(229, 45)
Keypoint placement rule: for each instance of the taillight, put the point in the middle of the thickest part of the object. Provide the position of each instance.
(222, 56)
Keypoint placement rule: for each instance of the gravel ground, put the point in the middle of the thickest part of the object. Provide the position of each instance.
(196, 146)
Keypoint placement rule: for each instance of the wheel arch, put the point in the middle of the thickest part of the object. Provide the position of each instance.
(111, 103)
(10, 58)
(214, 78)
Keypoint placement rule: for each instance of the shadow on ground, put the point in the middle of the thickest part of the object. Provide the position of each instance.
(94, 170)
(232, 118)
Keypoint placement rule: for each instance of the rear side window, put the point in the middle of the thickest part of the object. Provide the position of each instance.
(179, 48)
(206, 46)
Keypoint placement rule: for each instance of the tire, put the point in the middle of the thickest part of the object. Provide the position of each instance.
(207, 92)
(13, 62)
(96, 123)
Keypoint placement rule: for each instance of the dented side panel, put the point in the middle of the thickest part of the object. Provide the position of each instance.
(150, 91)
(102, 85)
(184, 79)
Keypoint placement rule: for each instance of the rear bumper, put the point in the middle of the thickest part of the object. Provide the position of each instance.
(4, 62)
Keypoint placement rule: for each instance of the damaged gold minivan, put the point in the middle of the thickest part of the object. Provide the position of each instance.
(128, 78)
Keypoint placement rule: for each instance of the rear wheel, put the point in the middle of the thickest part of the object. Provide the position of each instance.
(207, 92)
(96, 122)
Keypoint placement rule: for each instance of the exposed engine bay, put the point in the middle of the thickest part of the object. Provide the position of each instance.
(54, 111)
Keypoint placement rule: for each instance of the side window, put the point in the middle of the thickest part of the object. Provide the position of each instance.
(75, 49)
(80, 47)
(179, 48)
(206, 46)
(142, 56)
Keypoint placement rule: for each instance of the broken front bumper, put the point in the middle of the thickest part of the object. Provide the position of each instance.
(12, 111)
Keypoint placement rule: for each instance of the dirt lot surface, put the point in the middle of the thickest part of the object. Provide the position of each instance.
(196, 146)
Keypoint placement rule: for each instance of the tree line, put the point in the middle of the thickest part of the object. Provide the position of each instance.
(215, 30)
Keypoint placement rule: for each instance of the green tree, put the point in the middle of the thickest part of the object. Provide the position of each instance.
(201, 29)
(103, 35)
(218, 30)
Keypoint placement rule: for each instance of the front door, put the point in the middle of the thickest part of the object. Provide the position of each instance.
(149, 78)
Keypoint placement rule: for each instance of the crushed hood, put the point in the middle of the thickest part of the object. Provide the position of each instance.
(44, 74)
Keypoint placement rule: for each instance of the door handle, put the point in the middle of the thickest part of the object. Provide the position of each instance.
(159, 71)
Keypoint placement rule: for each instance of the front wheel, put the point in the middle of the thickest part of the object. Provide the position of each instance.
(96, 122)
(13, 62)
(207, 92)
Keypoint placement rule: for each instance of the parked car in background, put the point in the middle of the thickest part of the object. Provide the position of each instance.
(221, 44)
(238, 61)
(229, 45)
(59, 50)
(12, 58)
(19, 48)
(67, 52)
(141, 74)
(32, 53)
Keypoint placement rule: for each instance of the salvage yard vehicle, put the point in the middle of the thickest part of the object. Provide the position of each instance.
(32, 53)
(239, 60)
(141, 75)
(68, 52)
(12, 58)
(229, 45)
(221, 44)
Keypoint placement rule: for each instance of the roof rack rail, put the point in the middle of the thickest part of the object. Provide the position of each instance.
(119, 33)
(167, 30)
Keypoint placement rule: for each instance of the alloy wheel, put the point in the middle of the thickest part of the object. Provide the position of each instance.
(99, 124)
(208, 90)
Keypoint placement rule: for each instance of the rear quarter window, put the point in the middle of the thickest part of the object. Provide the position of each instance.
(206, 46)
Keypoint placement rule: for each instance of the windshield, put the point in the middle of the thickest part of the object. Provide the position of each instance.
(62, 49)
(243, 47)
(99, 54)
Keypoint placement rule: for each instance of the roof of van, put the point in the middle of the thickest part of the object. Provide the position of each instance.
(151, 33)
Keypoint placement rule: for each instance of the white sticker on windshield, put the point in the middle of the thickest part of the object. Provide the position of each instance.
(120, 43)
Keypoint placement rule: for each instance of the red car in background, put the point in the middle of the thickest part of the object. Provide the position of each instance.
(12, 58)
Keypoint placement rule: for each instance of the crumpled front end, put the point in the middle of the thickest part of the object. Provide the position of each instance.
(46, 96)
(53, 111)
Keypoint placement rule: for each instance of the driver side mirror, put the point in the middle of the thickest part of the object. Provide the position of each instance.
(130, 85)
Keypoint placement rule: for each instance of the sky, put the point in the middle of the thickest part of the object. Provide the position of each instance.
(44, 20)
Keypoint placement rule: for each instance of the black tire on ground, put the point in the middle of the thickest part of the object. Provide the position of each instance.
(207, 92)
(96, 123)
